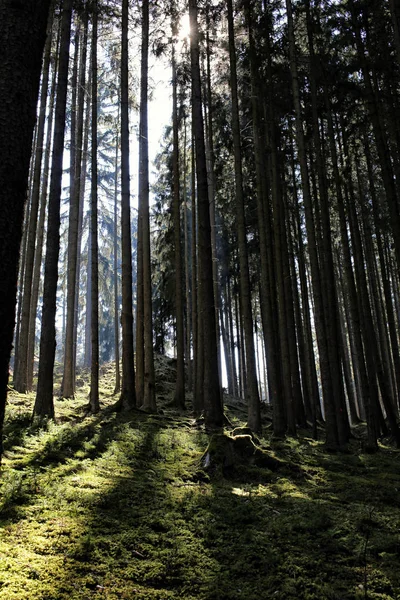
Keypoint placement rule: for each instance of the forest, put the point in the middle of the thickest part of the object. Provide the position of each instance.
(199, 325)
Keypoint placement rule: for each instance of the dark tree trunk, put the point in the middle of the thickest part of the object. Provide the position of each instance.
(321, 275)
(44, 405)
(115, 261)
(149, 393)
(212, 391)
(252, 395)
(68, 387)
(36, 281)
(94, 308)
(128, 395)
(23, 25)
(268, 298)
(21, 374)
(187, 266)
(179, 397)
(197, 399)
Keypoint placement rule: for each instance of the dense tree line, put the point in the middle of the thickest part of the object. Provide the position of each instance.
(269, 257)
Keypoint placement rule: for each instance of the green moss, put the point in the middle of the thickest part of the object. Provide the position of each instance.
(116, 506)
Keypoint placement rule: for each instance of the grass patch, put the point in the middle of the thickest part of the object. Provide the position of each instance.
(119, 506)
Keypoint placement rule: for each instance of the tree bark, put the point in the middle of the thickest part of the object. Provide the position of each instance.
(21, 374)
(94, 258)
(252, 395)
(335, 436)
(128, 394)
(268, 299)
(149, 393)
(44, 405)
(179, 397)
(36, 281)
(213, 411)
(68, 385)
(23, 25)
(115, 261)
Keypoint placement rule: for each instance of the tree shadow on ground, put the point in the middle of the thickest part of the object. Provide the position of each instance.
(160, 528)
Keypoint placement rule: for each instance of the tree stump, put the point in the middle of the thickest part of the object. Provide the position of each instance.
(225, 453)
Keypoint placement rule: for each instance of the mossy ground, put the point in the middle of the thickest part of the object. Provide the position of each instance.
(117, 506)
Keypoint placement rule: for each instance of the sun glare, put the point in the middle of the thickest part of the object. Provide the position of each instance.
(184, 28)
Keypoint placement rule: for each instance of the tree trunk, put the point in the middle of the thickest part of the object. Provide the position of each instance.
(197, 397)
(149, 394)
(252, 395)
(20, 375)
(88, 320)
(82, 189)
(179, 397)
(187, 264)
(94, 307)
(128, 394)
(213, 411)
(268, 299)
(115, 261)
(36, 281)
(44, 405)
(23, 25)
(211, 178)
(335, 436)
(68, 385)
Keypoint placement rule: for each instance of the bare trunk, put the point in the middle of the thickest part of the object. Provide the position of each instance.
(149, 397)
(44, 405)
(20, 376)
(179, 398)
(40, 232)
(252, 395)
(128, 394)
(115, 261)
(212, 391)
(94, 308)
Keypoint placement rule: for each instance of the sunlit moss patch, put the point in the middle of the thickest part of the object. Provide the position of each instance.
(117, 506)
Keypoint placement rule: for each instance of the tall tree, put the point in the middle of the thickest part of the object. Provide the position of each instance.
(179, 397)
(21, 374)
(267, 276)
(211, 392)
(336, 435)
(22, 38)
(68, 385)
(115, 261)
(94, 258)
(149, 392)
(36, 281)
(252, 395)
(44, 405)
(128, 394)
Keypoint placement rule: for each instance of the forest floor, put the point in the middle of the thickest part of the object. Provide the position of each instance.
(118, 506)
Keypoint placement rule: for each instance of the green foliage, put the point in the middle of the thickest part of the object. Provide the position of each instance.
(118, 506)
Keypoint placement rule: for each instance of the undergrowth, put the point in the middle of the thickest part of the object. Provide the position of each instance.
(117, 506)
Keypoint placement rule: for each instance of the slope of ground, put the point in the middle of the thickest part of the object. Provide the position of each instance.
(119, 506)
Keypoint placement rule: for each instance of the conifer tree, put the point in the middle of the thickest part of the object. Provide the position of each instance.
(44, 404)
